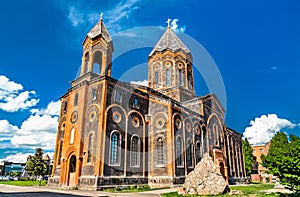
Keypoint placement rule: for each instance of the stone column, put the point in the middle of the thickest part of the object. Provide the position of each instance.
(91, 60)
(83, 66)
(237, 161)
(229, 155)
(233, 158)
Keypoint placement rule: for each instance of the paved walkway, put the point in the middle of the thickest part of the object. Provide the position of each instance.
(10, 190)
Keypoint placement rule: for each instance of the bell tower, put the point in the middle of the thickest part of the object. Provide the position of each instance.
(170, 67)
(97, 51)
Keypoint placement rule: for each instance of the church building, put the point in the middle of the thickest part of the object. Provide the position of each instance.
(114, 133)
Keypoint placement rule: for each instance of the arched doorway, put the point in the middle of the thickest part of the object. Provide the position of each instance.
(222, 170)
(72, 171)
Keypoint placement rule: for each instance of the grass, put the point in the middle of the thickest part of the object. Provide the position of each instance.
(24, 183)
(252, 190)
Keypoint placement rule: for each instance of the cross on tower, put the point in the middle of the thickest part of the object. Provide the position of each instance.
(101, 15)
(168, 21)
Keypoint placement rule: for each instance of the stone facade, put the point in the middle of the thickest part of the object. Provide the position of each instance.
(113, 133)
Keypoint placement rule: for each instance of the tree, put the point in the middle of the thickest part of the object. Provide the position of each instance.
(36, 164)
(283, 159)
(248, 157)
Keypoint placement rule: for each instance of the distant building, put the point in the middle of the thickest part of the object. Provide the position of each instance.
(257, 169)
(6, 167)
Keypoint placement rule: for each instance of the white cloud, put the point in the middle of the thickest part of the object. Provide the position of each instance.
(76, 17)
(37, 131)
(52, 109)
(84, 15)
(22, 157)
(174, 26)
(262, 129)
(7, 130)
(143, 83)
(12, 98)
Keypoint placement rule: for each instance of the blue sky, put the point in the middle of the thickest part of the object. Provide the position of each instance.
(255, 46)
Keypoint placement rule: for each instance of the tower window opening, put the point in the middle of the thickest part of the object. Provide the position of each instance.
(190, 81)
(180, 76)
(168, 77)
(156, 79)
(94, 94)
(76, 100)
(179, 151)
(87, 58)
(97, 62)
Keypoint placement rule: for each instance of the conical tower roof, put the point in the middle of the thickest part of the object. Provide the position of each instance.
(99, 29)
(170, 41)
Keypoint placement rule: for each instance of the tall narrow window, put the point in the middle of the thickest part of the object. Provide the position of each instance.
(72, 136)
(76, 100)
(117, 95)
(114, 148)
(198, 151)
(134, 151)
(136, 103)
(190, 81)
(97, 62)
(90, 148)
(189, 154)
(168, 77)
(180, 76)
(216, 132)
(160, 151)
(60, 153)
(179, 151)
(156, 79)
(94, 94)
(65, 106)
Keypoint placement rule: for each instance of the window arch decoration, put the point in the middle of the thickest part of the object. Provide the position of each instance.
(115, 148)
(135, 151)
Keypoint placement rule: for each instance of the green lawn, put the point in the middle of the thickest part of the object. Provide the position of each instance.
(24, 183)
(252, 190)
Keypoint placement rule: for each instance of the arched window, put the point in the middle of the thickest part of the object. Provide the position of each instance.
(94, 94)
(156, 79)
(115, 148)
(59, 153)
(189, 153)
(180, 77)
(65, 106)
(136, 103)
(190, 80)
(198, 151)
(90, 148)
(97, 62)
(72, 166)
(160, 151)
(76, 100)
(87, 58)
(117, 95)
(134, 156)
(72, 136)
(179, 151)
(168, 77)
(216, 134)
